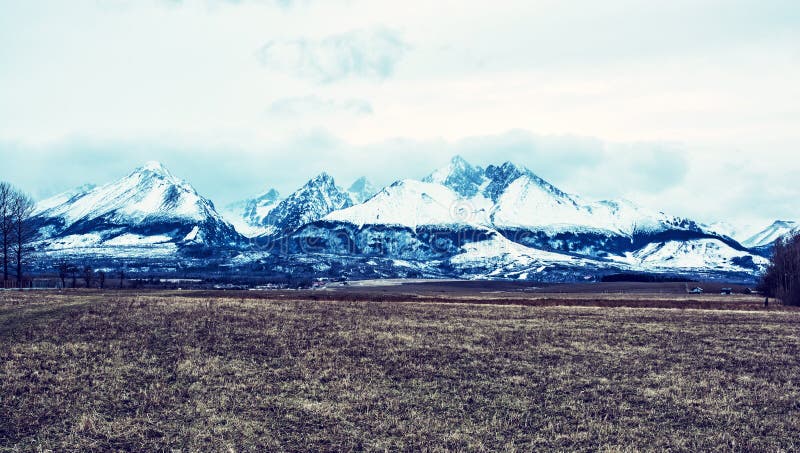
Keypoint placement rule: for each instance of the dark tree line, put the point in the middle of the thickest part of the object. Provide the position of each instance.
(782, 278)
(16, 233)
(91, 278)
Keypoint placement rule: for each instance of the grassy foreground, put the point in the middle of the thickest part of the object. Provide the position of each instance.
(125, 372)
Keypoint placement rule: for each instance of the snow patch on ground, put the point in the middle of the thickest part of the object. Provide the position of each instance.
(135, 240)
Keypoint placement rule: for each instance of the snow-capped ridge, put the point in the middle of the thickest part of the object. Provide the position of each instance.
(154, 166)
(149, 200)
(770, 234)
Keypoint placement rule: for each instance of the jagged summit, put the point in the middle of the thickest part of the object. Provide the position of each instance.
(154, 166)
(270, 194)
(322, 178)
(157, 169)
(459, 175)
(361, 190)
(317, 198)
(269, 215)
(247, 215)
(257, 208)
(501, 176)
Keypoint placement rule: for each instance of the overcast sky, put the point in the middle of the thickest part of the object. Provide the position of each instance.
(687, 106)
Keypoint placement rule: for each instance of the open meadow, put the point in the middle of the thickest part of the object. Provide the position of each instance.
(253, 371)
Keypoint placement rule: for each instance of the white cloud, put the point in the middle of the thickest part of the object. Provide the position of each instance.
(313, 105)
(371, 54)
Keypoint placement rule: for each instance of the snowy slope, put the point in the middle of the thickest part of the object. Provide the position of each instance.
(767, 236)
(738, 232)
(697, 255)
(499, 257)
(62, 198)
(412, 203)
(526, 203)
(148, 206)
(247, 216)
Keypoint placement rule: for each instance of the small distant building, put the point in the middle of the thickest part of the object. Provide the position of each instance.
(319, 283)
(726, 291)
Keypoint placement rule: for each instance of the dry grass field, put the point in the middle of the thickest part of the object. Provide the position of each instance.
(159, 371)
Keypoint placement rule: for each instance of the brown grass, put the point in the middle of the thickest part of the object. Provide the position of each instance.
(101, 371)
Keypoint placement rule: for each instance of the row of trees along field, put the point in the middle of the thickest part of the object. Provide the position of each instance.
(70, 273)
(782, 278)
(16, 233)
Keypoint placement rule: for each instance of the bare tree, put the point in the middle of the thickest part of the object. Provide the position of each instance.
(6, 226)
(73, 273)
(63, 273)
(22, 229)
(782, 278)
(88, 276)
(101, 278)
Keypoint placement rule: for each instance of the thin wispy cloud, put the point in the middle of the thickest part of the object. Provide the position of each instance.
(371, 54)
(311, 105)
(280, 3)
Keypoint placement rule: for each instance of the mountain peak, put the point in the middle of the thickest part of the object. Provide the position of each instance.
(768, 236)
(322, 178)
(270, 194)
(155, 167)
(361, 190)
(458, 175)
(459, 161)
(359, 184)
(149, 202)
(508, 165)
(268, 198)
(503, 175)
(314, 200)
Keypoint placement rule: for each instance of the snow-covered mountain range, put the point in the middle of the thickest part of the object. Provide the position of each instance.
(469, 204)
(502, 221)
